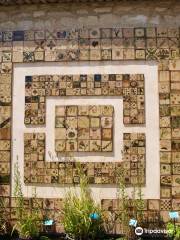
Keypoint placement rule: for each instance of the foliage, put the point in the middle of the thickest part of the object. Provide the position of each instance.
(2, 220)
(173, 231)
(137, 203)
(28, 221)
(77, 210)
(129, 206)
(123, 198)
(4, 225)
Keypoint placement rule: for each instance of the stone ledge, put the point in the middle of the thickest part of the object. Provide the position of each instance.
(20, 2)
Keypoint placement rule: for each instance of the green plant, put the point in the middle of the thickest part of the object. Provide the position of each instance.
(78, 208)
(28, 220)
(3, 217)
(123, 214)
(129, 206)
(173, 230)
(2, 220)
(137, 202)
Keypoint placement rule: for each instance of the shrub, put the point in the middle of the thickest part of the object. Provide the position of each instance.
(129, 206)
(28, 221)
(173, 231)
(4, 221)
(82, 217)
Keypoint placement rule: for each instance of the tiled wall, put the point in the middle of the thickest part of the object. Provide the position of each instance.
(37, 170)
(159, 44)
(47, 207)
(130, 86)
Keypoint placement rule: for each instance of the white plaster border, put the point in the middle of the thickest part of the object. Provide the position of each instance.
(151, 128)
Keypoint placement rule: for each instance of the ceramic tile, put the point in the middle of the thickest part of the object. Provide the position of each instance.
(166, 204)
(175, 157)
(6, 56)
(175, 192)
(7, 36)
(94, 33)
(28, 56)
(165, 192)
(153, 205)
(175, 204)
(18, 36)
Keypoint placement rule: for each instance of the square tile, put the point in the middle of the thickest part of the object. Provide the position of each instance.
(7, 36)
(18, 36)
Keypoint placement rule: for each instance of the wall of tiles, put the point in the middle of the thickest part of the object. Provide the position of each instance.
(130, 86)
(46, 207)
(37, 170)
(158, 44)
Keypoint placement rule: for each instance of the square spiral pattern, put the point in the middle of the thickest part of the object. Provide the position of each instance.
(159, 44)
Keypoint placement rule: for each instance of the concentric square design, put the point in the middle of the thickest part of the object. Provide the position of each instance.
(84, 128)
(159, 44)
(121, 87)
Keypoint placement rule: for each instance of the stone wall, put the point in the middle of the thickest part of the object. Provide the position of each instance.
(125, 13)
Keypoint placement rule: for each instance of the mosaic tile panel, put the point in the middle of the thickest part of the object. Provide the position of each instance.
(151, 209)
(134, 154)
(37, 170)
(169, 135)
(84, 128)
(175, 131)
(94, 44)
(90, 44)
(129, 86)
(5, 155)
(51, 208)
(160, 44)
(5, 125)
